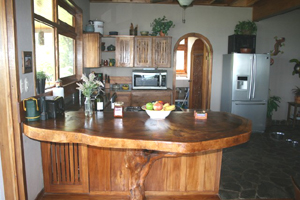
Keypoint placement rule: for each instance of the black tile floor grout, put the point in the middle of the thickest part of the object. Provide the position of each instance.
(262, 167)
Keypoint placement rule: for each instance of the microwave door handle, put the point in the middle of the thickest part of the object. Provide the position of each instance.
(160, 80)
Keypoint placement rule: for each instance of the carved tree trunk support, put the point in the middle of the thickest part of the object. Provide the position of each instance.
(139, 163)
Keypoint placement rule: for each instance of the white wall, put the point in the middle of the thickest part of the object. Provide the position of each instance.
(215, 23)
(32, 151)
(281, 78)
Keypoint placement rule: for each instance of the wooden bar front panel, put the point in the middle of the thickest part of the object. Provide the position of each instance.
(187, 174)
(65, 167)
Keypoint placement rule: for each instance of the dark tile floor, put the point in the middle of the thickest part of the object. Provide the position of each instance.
(262, 167)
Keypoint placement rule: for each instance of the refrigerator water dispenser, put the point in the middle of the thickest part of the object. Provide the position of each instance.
(242, 82)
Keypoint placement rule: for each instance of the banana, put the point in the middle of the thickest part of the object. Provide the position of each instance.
(169, 108)
(166, 105)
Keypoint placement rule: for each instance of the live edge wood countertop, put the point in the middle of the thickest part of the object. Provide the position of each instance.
(180, 132)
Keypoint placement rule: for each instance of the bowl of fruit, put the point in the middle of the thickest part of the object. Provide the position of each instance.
(158, 109)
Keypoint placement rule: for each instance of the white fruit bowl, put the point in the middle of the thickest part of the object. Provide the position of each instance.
(156, 114)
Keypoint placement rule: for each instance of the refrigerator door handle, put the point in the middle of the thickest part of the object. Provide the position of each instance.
(254, 104)
(251, 78)
(254, 75)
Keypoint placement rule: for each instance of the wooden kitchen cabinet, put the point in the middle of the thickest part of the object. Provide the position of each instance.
(91, 50)
(161, 55)
(140, 98)
(153, 51)
(124, 51)
(143, 51)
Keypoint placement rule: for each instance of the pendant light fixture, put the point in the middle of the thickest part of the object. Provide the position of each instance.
(184, 4)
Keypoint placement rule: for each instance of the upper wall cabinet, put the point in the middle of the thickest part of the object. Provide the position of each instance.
(152, 51)
(161, 56)
(143, 51)
(91, 50)
(124, 51)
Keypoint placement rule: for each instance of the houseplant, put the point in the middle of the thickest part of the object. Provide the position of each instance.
(87, 87)
(272, 106)
(41, 77)
(296, 92)
(245, 28)
(296, 67)
(161, 26)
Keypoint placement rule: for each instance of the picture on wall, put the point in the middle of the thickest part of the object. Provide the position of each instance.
(27, 61)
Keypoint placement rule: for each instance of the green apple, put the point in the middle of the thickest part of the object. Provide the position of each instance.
(149, 106)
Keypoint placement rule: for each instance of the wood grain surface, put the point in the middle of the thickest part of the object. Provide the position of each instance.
(180, 132)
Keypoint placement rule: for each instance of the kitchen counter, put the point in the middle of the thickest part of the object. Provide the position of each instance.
(120, 152)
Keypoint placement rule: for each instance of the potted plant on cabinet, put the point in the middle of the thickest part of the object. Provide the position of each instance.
(296, 92)
(245, 28)
(41, 77)
(161, 26)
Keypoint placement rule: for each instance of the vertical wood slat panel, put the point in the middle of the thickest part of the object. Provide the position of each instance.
(65, 167)
(67, 158)
(119, 174)
(76, 167)
(99, 168)
(53, 164)
(157, 175)
(174, 168)
(63, 163)
(71, 150)
(57, 163)
(193, 172)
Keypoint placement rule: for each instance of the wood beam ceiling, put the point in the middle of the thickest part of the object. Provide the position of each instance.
(269, 8)
(262, 9)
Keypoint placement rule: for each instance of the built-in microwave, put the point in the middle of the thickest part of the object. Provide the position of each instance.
(149, 79)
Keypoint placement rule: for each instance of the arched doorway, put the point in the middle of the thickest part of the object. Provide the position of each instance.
(200, 71)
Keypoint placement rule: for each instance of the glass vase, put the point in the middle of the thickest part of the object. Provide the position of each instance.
(88, 109)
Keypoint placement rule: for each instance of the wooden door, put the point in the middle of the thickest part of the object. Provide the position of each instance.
(197, 75)
(124, 51)
(91, 50)
(161, 56)
(143, 47)
(65, 167)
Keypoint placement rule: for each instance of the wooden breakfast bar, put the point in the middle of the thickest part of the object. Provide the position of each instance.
(135, 156)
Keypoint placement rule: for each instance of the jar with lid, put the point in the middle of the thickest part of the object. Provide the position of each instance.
(118, 109)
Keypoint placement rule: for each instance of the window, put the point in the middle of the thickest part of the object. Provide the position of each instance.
(56, 35)
(181, 58)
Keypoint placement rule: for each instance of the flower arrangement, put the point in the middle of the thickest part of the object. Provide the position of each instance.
(89, 84)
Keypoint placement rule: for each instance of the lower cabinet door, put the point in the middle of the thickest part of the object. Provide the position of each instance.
(65, 167)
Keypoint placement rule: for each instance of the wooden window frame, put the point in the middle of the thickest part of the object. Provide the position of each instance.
(62, 28)
(183, 47)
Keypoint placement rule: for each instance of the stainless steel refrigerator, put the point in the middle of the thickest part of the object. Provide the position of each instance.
(245, 86)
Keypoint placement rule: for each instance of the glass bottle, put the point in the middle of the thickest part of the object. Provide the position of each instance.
(88, 110)
(118, 109)
(99, 103)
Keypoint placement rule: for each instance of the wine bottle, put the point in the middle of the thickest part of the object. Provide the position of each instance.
(99, 103)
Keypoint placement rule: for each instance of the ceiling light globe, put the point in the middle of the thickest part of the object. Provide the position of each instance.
(185, 3)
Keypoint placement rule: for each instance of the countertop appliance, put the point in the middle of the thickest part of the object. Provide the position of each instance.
(55, 106)
(149, 79)
(245, 86)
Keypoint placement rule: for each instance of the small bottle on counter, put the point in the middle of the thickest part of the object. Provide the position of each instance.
(118, 109)
(99, 101)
